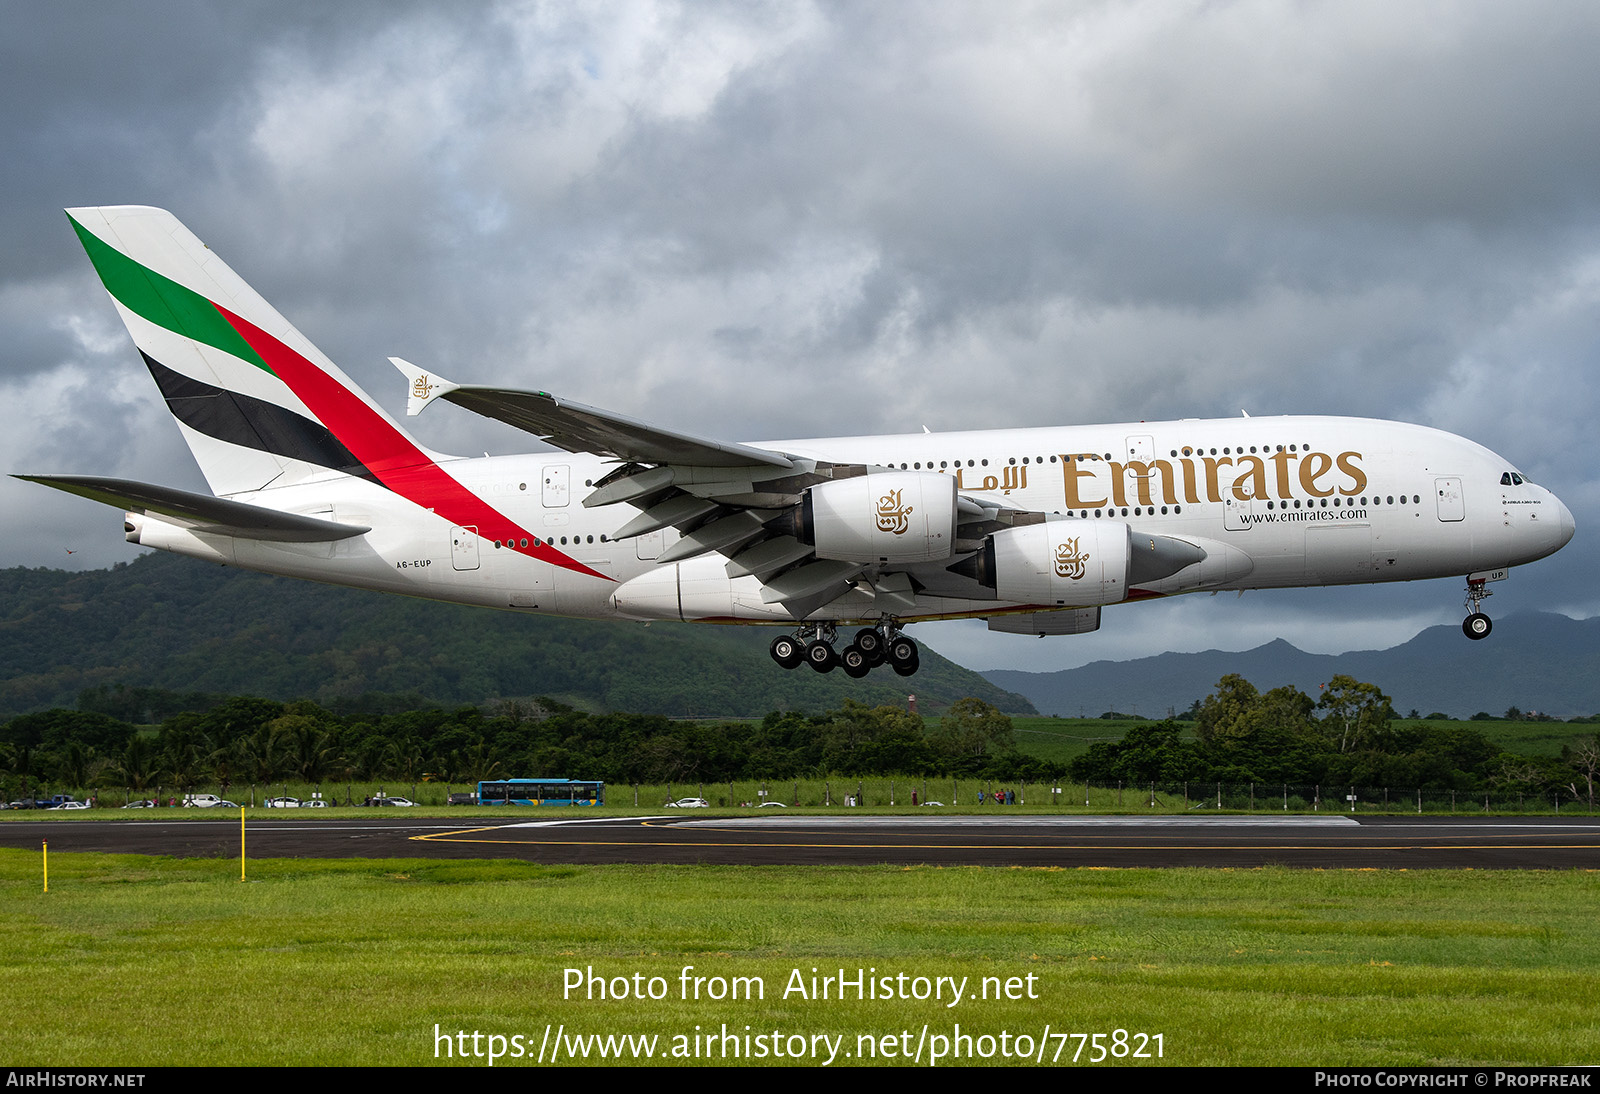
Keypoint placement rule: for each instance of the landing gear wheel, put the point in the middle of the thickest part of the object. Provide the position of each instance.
(908, 670)
(870, 643)
(820, 656)
(903, 655)
(854, 662)
(787, 651)
(1476, 625)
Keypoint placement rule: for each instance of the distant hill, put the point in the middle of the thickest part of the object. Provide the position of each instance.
(169, 622)
(1533, 661)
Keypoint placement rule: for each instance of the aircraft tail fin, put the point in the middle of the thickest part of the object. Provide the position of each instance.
(258, 404)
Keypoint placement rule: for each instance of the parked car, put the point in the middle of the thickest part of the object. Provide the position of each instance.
(282, 803)
(43, 803)
(71, 805)
(384, 799)
(772, 805)
(689, 803)
(201, 801)
(143, 803)
(468, 798)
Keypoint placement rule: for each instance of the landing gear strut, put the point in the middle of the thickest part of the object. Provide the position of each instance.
(873, 646)
(1476, 625)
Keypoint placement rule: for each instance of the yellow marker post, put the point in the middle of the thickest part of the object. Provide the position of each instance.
(241, 843)
(46, 865)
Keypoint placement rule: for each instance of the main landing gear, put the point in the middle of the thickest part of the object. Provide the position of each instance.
(1476, 625)
(873, 646)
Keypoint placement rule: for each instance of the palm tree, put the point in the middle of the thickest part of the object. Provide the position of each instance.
(260, 757)
(404, 758)
(138, 767)
(185, 755)
(479, 762)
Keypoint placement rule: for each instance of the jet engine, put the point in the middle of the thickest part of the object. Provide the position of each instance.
(1075, 562)
(887, 516)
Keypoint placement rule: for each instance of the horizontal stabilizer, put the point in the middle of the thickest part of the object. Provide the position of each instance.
(217, 515)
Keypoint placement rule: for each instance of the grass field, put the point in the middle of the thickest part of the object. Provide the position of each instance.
(131, 960)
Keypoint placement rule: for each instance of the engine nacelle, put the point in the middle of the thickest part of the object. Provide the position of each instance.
(1059, 563)
(1077, 563)
(889, 516)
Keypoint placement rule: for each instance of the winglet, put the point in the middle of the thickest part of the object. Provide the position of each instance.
(424, 387)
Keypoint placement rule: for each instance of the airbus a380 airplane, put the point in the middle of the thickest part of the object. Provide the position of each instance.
(1034, 529)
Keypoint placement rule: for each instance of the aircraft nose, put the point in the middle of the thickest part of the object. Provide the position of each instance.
(1568, 526)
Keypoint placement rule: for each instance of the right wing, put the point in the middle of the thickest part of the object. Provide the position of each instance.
(749, 504)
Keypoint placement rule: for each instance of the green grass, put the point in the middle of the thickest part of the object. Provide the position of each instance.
(1062, 740)
(141, 961)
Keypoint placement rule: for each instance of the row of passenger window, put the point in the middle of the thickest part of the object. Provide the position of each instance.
(1388, 499)
(551, 542)
(1151, 510)
(1188, 450)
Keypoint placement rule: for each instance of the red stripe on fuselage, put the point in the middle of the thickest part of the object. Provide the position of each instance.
(388, 454)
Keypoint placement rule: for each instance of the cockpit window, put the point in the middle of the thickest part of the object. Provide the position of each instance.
(1513, 478)
(1505, 479)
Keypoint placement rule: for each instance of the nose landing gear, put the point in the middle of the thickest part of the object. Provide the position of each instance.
(1476, 625)
(873, 646)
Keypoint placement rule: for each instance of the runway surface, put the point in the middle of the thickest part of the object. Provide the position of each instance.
(1310, 842)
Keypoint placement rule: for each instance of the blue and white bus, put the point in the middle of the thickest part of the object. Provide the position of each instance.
(541, 792)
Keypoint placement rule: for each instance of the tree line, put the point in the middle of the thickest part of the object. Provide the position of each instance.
(1346, 737)
(250, 741)
(1237, 735)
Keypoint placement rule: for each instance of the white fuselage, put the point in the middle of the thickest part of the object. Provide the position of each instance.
(1276, 502)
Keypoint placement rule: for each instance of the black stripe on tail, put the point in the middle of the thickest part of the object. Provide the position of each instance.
(252, 423)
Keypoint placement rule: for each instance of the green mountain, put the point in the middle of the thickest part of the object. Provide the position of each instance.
(1534, 661)
(163, 621)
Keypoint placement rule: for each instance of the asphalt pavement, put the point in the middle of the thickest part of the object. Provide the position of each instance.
(1326, 842)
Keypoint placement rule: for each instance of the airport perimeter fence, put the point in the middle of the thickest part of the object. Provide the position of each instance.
(963, 793)
(1288, 798)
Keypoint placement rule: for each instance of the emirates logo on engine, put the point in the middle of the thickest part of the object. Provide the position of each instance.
(893, 515)
(1070, 561)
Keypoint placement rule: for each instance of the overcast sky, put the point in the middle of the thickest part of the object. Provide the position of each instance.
(807, 219)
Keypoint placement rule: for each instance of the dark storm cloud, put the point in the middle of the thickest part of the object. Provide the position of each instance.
(801, 219)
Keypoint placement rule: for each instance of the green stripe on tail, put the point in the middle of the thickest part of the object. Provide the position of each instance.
(163, 301)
